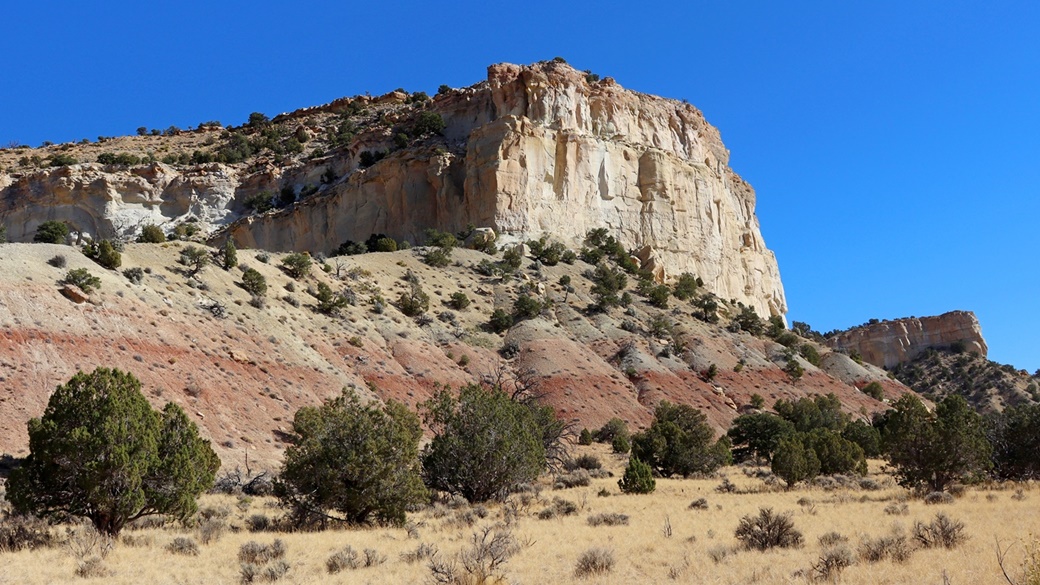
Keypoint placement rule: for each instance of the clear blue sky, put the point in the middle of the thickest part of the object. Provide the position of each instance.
(894, 146)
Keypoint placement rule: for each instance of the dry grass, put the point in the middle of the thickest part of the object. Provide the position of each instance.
(548, 551)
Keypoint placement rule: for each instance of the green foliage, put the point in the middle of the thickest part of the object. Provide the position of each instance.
(414, 302)
(500, 321)
(329, 302)
(369, 158)
(760, 432)
(1015, 436)
(260, 202)
(812, 413)
(257, 119)
(484, 443)
(866, 436)
(937, 449)
(151, 234)
(3, 234)
(638, 478)
(810, 354)
(875, 390)
(428, 123)
(748, 320)
(658, 296)
(794, 369)
(835, 453)
(707, 309)
(512, 260)
(437, 257)
(352, 462)
(680, 442)
(756, 399)
(104, 253)
(194, 258)
(61, 160)
(101, 452)
(381, 243)
(82, 278)
(228, 255)
(613, 428)
(51, 232)
(607, 283)
(526, 307)
(793, 461)
(297, 265)
(254, 283)
(458, 301)
(621, 444)
(585, 437)
(549, 254)
(134, 275)
(123, 158)
(685, 286)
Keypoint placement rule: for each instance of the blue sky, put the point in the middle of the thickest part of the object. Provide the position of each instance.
(893, 145)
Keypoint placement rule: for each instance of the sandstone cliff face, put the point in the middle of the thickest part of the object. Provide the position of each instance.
(533, 150)
(890, 343)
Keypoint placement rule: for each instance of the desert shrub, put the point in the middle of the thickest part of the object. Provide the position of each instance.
(346, 558)
(595, 561)
(58, 261)
(253, 282)
(500, 321)
(897, 509)
(685, 286)
(608, 519)
(254, 552)
(262, 562)
(92, 567)
(810, 354)
(835, 453)
(428, 123)
(621, 444)
(942, 531)
(607, 284)
(24, 532)
(437, 257)
(151, 234)
(259, 523)
(638, 478)
(414, 302)
(104, 253)
(768, 530)
(297, 265)
(100, 451)
(481, 563)
(134, 275)
(894, 546)
(612, 428)
(658, 296)
(211, 529)
(588, 462)
(526, 307)
(51, 232)
(559, 508)
(864, 435)
(585, 437)
(422, 552)
(194, 258)
(832, 562)
(329, 302)
(484, 443)
(680, 442)
(933, 498)
(352, 462)
(228, 255)
(578, 478)
(458, 301)
(183, 545)
(874, 390)
(699, 504)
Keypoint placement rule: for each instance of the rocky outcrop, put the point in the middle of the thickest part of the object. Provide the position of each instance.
(890, 343)
(547, 152)
(534, 150)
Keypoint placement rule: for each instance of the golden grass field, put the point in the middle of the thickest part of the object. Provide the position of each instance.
(643, 550)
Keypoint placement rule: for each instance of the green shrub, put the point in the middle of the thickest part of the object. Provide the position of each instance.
(613, 428)
(484, 443)
(102, 453)
(793, 461)
(428, 123)
(875, 390)
(500, 321)
(437, 257)
(254, 283)
(585, 437)
(621, 444)
(260, 202)
(151, 234)
(104, 253)
(607, 283)
(680, 442)
(526, 307)
(458, 301)
(329, 302)
(82, 278)
(353, 462)
(297, 265)
(61, 160)
(638, 478)
(414, 302)
(658, 296)
(134, 275)
(228, 255)
(748, 320)
(194, 258)
(685, 286)
(51, 232)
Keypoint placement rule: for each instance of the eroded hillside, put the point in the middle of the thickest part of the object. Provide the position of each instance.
(242, 371)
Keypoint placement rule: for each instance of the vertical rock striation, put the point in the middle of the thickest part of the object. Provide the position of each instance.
(890, 343)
